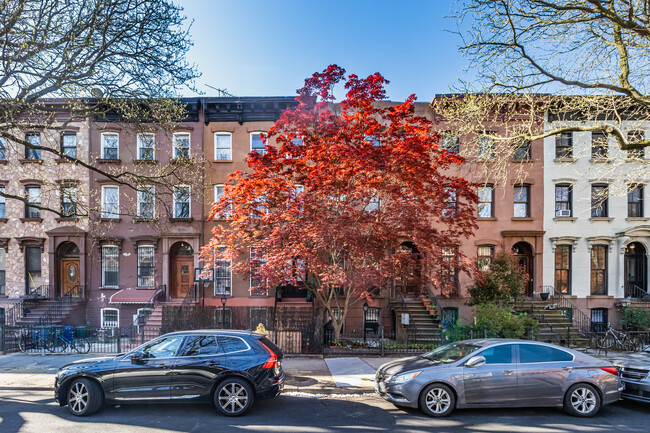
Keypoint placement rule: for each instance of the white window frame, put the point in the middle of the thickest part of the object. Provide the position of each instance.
(139, 145)
(102, 264)
(153, 284)
(69, 195)
(3, 200)
(140, 193)
(189, 144)
(104, 135)
(250, 276)
(189, 189)
(227, 214)
(103, 210)
(103, 324)
(223, 134)
(263, 151)
(214, 270)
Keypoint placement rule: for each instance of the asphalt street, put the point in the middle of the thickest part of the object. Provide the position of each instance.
(35, 411)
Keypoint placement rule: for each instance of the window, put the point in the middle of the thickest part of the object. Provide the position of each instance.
(146, 202)
(110, 265)
(68, 201)
(563, 269)
(450, 142)
(146, 147)
(3, 149)
(110, 144)
(222, 146)
(3, 209)
(222, 275)
(563, 200)
(599, 319)
(599, 198)
(450, 203)
(564, 145)
(599, 269)
(599, 145)
(223, 318)
(258, 315)
(165, 347)
(110, 318)
(182, 201)
(3, 268)
(485, 202)
(110, 202)
(522, 201)
(449, 266)
(486, 147)
(69, 145)
(533, 353)
(146, 266)
(200, 345)
(634, 137)
(32, 269)
(181, 145)
(236, 344)
(31, 152)
(33, 200)
(257, 260)
(257, 143)
(522, 151)
(218, 192)
(635, 201)
(484, 257)
(498, 354)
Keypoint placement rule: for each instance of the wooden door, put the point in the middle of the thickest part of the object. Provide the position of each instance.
(69, 275)
(182, 276)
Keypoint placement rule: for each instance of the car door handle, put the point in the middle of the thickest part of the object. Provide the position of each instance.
(507, 372)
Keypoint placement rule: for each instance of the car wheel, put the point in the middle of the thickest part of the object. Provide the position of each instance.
(582, 400)
(85, 397)
(437, 400)
(233, 397)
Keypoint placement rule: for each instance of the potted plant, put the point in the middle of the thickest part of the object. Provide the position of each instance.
(432, 309)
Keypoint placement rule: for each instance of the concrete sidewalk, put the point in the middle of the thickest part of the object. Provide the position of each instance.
(304, 374)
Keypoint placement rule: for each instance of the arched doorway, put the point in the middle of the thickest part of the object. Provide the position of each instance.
(68, 268)
(180, 270)
(636, 276)
(412, 280)
(523, 253)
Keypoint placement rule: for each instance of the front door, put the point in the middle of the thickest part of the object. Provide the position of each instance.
(181, 276)
(69, 275)
(495, 381)
(524, 257)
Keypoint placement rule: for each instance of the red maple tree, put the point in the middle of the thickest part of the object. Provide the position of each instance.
(328, 206)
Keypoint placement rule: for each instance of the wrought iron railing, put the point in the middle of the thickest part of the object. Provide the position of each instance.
(56, 311)
(191, 296)
(42, 291)
(632, 291)
(573, 314)
(411, 328)
(434, 299)
(137, 328)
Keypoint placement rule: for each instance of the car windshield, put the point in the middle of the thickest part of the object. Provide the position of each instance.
(451, 352)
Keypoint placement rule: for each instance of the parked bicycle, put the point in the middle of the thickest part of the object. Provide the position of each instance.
(614, 339)
(27, 341)
(61, 343)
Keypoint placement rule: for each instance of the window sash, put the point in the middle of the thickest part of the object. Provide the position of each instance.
(257, 144)
(33, 258)
(181, 145)
(146, 266)
(146, 146)
(110, 202)
(69, 201)
(450, 142)
(563, 199)
(3, 209)
(564, 145)
(3, 155)
(599, 269)
(484, 255)
(599, 201)
(110, 146)
(636, 137)
(222, 147)
(31, 153)
(69, 145)
(146, 202)
(522, 151)
(485, 202)
(182, 201)
(110, 266)
(635, 201)
(110, 318)
(563, 269)
(33, 198)
(599, 145)
(222, 276)
(521, 201)
(3, 268)
(486, 147)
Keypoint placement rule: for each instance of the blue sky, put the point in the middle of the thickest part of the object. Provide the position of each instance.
(268, 47)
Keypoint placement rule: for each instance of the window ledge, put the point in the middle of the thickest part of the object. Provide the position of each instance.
(637, 219)
(108, 220)
(595, 219)
(3, 220)
(521, 219)
(144, 220)
(565, 159)
(188, 161)
(522, 161)
(65, 160)
(30, 161)
(109, 161)
(64, 219)
(222, 160)
(601, 160)
(572, 219)
(486, 219)
(146, 161)
(109, 287)
(181, 220)
(637, 160)
(36, 220)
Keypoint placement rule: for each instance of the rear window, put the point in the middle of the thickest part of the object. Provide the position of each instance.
(529, 353)
(232, 344)
(271, 345)
(200, 345)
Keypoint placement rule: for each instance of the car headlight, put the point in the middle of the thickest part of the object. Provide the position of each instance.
(403, 378)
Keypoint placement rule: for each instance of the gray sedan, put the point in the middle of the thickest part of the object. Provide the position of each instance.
(635, 375)
(499, 373)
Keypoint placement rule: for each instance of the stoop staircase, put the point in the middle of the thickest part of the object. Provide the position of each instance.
(153, 325)
(424, 328)
(65, 315)
(556, 324)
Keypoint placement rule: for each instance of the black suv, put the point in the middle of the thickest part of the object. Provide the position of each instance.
(229, 368)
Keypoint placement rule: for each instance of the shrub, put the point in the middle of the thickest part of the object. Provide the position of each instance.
(500, 322)
(502, 282)
(636, 319)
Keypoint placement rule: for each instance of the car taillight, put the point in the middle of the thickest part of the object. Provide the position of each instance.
(611, 370)
(272, 362)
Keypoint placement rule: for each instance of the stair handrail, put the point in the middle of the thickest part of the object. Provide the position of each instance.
(190, 296)
(15, 312)
(56, 310)
(578, 318)
(432, 297)
(632, 291)
(145, 312)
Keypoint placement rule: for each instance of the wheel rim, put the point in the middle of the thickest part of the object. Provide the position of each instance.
(233, 397)
(78, 397)
(438, 400)
(583, 400)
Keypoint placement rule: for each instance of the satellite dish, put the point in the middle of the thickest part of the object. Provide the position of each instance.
(97, 93)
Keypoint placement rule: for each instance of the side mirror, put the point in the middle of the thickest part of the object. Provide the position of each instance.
(475, 361)
(137, 359)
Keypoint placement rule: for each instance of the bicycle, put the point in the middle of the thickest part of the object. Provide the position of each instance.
(619, 339)
(26, 342)
(61, 343)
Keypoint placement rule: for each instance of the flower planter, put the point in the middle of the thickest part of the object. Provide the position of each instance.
(544, 296)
